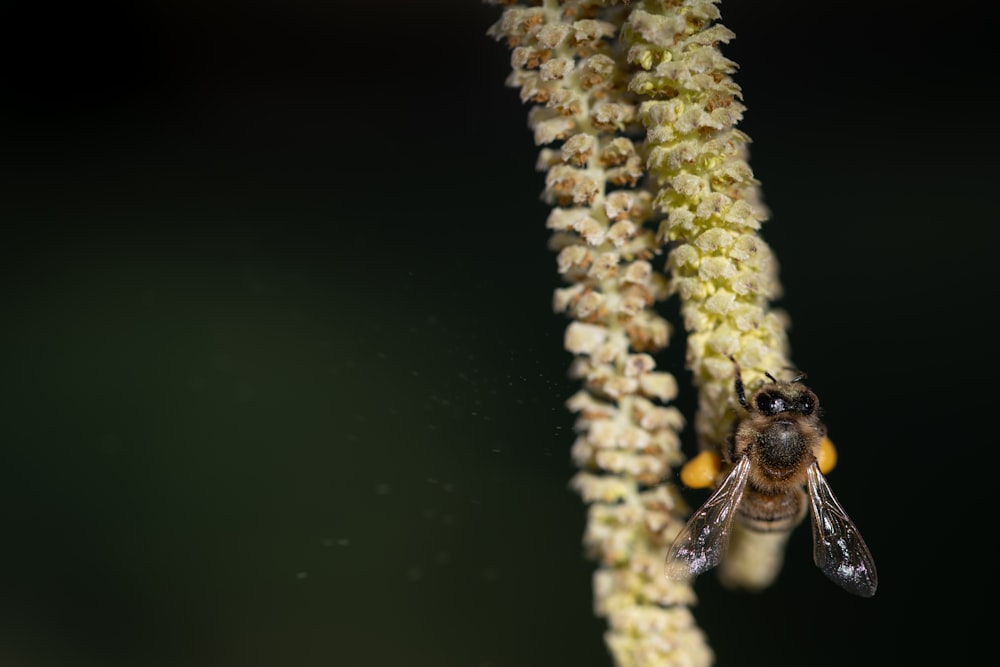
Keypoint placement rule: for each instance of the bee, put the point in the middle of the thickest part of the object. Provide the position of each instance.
(772, 451)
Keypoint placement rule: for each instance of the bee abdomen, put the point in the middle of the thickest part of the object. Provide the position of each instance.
(772, 511)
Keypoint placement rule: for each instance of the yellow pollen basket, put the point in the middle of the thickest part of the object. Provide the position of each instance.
(827, 457)
(701, 471)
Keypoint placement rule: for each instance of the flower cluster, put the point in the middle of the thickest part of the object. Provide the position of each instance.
(635, 111)
(723, 272)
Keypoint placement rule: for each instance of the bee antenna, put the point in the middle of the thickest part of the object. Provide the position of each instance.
(740, 391)
(800, 375)
(770, 377)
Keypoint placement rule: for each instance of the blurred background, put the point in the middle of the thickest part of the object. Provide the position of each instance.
(281, 380)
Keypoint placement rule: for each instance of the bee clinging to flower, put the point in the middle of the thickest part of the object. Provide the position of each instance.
(773, 482)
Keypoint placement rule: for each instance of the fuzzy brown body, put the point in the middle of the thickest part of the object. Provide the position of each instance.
(781, 448)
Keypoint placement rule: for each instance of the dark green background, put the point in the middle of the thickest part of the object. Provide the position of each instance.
(281, 384)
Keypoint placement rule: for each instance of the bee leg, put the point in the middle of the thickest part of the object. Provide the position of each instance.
(740, 392)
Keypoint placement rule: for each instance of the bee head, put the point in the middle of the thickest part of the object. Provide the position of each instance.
(777, 397)
(781, 397)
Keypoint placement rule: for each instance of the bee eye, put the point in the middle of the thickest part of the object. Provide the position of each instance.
(806, 405)
(770, 404)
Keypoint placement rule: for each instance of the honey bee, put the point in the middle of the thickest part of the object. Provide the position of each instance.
(772, 451)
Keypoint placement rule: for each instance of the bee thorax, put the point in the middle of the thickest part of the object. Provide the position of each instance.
(781, 449)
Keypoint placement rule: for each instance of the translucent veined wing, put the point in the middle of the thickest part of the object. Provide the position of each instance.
(838, 548)
(700, 545)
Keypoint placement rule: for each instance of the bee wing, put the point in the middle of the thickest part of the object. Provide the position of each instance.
(838, 548)
(700, 545)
